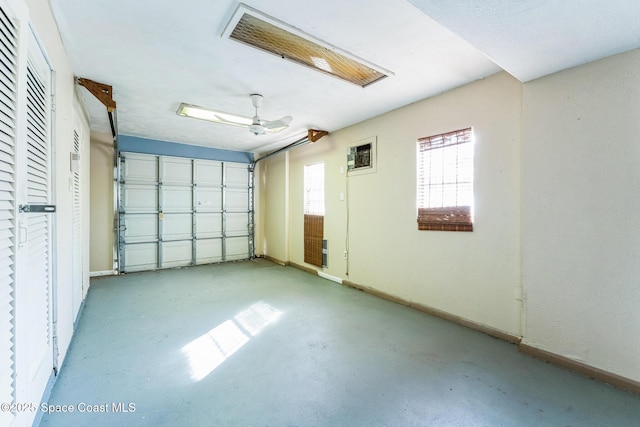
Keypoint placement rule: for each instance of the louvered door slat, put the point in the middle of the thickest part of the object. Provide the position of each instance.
(8, 59)
(38, 225)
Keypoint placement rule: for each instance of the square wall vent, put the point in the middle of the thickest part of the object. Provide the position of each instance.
(361, 157)
(263, 32)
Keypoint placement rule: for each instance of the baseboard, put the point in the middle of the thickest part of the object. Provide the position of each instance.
(46, 394)
(303, 268)
(102, 273)
(292, 264)
(496, 333)
(329, 277)
(438, 313)
(581, 368)
(589, 371)
(79, 314)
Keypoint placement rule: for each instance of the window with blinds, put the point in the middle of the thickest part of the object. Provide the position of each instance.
(313, 213)
(445, 181)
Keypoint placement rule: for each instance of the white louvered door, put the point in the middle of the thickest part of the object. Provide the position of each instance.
(34, 346)
(77, 223)
(8, 89)
(26, 342)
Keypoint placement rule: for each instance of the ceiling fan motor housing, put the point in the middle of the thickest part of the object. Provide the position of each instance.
(256, 129)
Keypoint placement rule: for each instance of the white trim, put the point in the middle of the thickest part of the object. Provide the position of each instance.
(103, 273)
(329, 277)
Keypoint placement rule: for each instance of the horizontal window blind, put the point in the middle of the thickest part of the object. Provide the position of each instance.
(313, 213)
(314, 189)
(313, 234)
(445, 181)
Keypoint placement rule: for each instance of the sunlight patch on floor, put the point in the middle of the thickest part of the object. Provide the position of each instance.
(211, 349)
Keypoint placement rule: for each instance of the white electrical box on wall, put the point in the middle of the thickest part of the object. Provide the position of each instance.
(361, 156)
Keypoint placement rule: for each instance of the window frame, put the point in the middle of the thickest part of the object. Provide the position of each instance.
(445, 216)
(314, 207)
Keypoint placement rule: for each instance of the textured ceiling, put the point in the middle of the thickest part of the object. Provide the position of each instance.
(161, 53)
(533, 38)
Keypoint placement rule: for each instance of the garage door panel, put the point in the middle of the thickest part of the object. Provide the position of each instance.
(237, 199)
(140, 168)
(236, 248)
(140, 257)
(208, 199)
(176, 199)
(140, 228)
(208, 225)
(175, 171)
(177, 227)
(208, 251)
(208, 172)
(140, 198)
(236, 224)
(175, 254)
(236, 175)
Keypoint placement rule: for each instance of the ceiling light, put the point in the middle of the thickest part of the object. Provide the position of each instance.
(195, 112)
(255, 29)
(187, 110)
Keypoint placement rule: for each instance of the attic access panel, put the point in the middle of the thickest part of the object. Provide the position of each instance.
(255, 29)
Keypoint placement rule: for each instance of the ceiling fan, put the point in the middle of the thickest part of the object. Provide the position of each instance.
(259, 126)
(256, 125)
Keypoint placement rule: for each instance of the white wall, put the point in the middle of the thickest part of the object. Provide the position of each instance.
(272, 201)
(473, 275)
(581, 233)
(102, 210)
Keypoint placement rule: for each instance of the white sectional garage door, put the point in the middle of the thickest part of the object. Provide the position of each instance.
(177, 211)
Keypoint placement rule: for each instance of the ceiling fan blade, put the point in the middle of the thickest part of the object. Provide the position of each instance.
(276, 124)
(225, 120)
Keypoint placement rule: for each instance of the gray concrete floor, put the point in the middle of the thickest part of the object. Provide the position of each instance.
(257, 344)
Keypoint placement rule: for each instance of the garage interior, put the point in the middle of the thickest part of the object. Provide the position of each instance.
(266, 214)
(256, 343)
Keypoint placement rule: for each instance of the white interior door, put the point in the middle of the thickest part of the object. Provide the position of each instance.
(8, 126)
(33, 334)
(76, 185)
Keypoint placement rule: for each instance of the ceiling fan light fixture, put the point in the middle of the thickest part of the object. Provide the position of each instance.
(193, 111)
(202, 113)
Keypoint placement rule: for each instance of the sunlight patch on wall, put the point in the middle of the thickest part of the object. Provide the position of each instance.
(210, 350)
